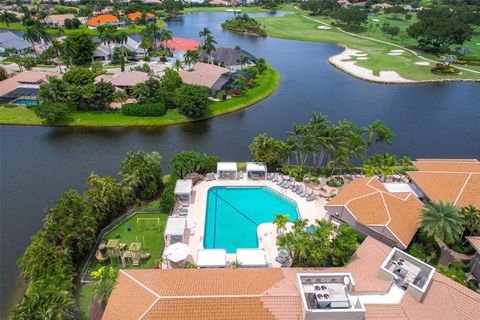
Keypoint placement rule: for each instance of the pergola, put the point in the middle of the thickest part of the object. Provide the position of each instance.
(256, 170)
(211, 258)
(175, 228)
(183, 189)
(252, 258)
(227, 170)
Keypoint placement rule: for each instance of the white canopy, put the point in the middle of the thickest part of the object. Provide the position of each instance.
(252, 257)
(398, 187)
(256, 166)
(183, 187)
(177, 252)
(211, 258)
(175, 227)
(228, 168)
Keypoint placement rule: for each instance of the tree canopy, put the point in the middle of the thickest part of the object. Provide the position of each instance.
(142, 172)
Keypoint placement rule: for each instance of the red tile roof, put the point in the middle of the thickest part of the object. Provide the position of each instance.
(102, 19)
(180, 44)
(138, 15)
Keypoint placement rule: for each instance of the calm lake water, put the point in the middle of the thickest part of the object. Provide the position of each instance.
(39, 163)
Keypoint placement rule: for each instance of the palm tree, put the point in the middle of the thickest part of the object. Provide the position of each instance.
(442, 222)
(32, 35)
(236, 264)
(120, 96)
(378, 132)
(57, 49)
(107, 36)
(151, 31)
(204, 34)
(191, 56)
(121, 38)
(209, 47)
(178, 65)
(471, 216)
(280, 222)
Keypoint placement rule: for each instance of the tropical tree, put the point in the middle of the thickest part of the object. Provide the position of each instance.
(442, 222)
(377, 132)
(191, 57)
(177, 65)
(150, 34)
(107, 35)
(204, 34)
(105, 280)
(121, 38)
(165, 35)
(120, 96)
(269, 150)
(193, 100)
(142, 173)
(32, 35)
(52, 112)
(471, 217)
(209, 47)
(280, 222)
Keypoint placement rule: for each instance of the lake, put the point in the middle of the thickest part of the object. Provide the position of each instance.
(39, 163)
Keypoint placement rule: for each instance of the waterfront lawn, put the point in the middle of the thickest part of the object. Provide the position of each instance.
(268, 82)
(151, 239)
(299, 27)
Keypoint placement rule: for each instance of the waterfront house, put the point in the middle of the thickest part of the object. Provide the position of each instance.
(103, 19)
(9, 40)
(102, 52)
(229, 58)
(179, 46)
(124, 80)
(207, 75)
(383, 5)
(373, 286)
(58, 20)
(388, 212)
(361, 4)
(133, 16)
(24, 85)
(343, 3)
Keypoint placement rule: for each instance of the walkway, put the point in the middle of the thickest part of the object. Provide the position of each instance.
(389, 43)
(448, 255)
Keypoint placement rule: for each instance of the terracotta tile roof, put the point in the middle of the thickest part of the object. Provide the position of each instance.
(453, 181)
(203, 74)
(180, 44)
(125, 79)
(59, 18)
(138, 15)
(371, 204)
(475, 242)
(127, 290)
(25, 77)
(445, 300)
(102, 19)
(271, 293)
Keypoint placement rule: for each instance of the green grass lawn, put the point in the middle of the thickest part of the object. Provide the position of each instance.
(268, 82)
(151, 239)
(84, 298)
(83, 28)
(249, 9)
(297, 27)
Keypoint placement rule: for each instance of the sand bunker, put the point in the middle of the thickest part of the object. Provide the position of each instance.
(399, 50)
(324, 27)
(359, 54)
(394, 53)
(233, 10)
(362, 58)
(376, 20)
(423, 63)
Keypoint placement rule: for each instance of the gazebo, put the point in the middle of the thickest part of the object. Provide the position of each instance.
(256, 170)
(183, 189)
(175, 229)
(211, 258)
(252, 258)
(227, 170)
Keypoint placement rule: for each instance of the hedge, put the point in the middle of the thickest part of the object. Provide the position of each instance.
(144, 110)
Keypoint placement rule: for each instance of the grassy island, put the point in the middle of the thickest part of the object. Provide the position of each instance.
(244, 24)
(267, 83)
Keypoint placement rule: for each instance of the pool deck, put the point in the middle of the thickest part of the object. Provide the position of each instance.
(266, 232)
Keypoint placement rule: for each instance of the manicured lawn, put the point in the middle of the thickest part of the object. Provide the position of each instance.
(83, 28)
(151, 239)
(251, 9)
(297, 27)
(268, 82)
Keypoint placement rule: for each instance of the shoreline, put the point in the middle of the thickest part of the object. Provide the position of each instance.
(266, 88)
(385, 77)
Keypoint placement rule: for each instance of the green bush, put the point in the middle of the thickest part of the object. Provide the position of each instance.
(144, 110)
(335, 182)
(167, 200)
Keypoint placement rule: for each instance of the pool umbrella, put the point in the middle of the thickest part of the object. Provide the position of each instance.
(177, 252)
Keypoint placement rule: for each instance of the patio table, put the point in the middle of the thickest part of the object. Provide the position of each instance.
(112, 243)
(135, 246)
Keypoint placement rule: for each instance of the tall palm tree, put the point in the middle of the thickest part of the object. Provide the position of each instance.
(120, 96)
(121, 38)
(151, 31)
(165, 35)
(32, 35)
(471, 217)
(204, 34)
(107, 35)
(442, 222)
(177, 65)
(378, 132)
(209, 47)
(191, 56)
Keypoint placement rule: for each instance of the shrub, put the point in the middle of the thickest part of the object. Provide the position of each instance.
(167, 199)
(252, 70)
(52, 112)
(144, 110)
(335, 182)
(192, 100)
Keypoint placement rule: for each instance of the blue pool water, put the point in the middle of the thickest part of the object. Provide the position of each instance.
(234, 213)
(25, 101)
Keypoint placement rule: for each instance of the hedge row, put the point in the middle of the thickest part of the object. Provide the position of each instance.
(144, 110)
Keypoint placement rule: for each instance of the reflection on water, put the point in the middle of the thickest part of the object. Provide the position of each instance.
(39, 163)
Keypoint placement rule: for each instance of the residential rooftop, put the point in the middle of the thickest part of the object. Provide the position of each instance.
(203, 74)
(455, 181)
(361, 290)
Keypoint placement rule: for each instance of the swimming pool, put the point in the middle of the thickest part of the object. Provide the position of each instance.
(26, 101)
(234, 213)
